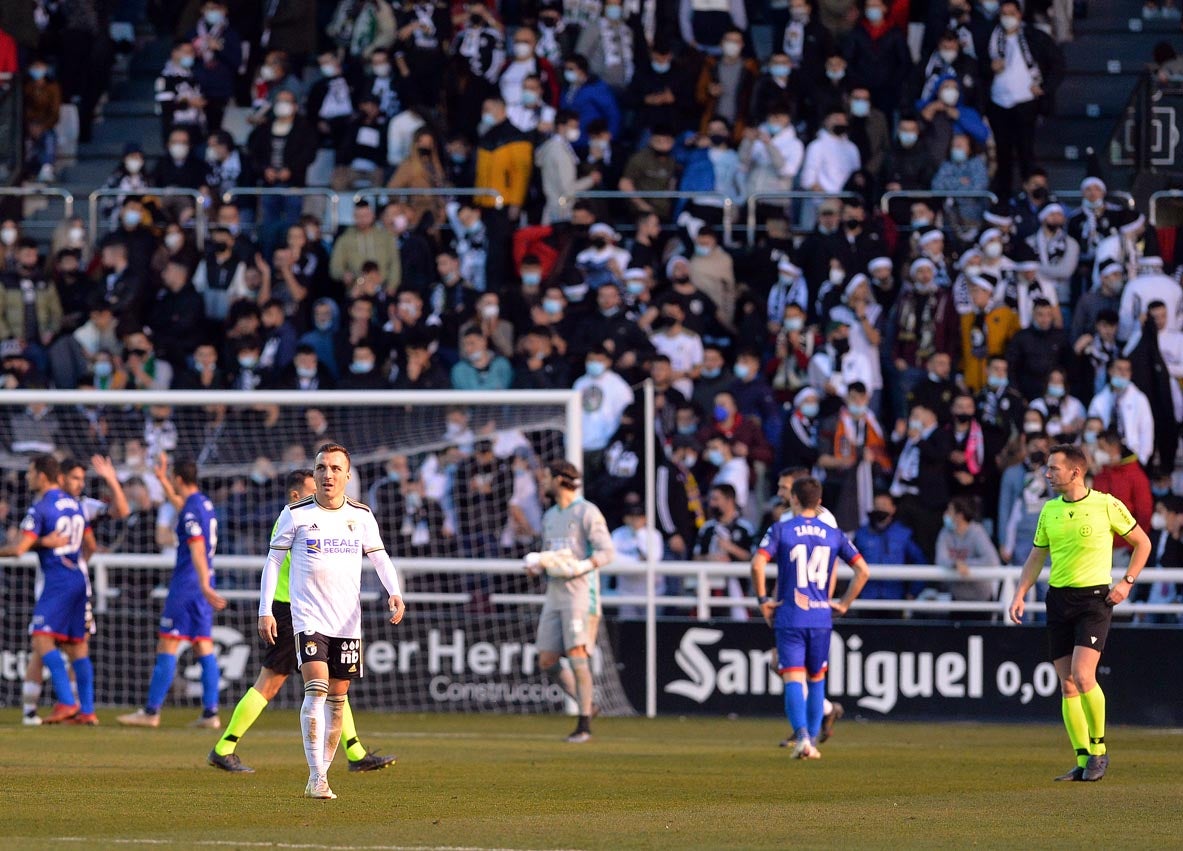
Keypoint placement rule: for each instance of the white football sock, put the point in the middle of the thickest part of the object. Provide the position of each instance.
(312, 724)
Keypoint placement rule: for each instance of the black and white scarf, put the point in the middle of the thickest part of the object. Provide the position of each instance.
(616, 42)
(794, 41)
(205, 34)
(1051, 249)
(998, 40)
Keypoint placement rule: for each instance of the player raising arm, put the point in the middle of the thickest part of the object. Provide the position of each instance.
(1076, 529)
(279, 663)
(59, 615)
(326, 535)
(189, 608)
(805, 551)
(576, 544)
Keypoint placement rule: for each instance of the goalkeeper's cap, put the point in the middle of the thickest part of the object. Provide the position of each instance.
(565, 473)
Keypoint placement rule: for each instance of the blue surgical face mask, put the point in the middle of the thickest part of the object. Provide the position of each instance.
(809, 409)
(860, 108)
(103, 369)
(595, 368)
(247, 361)
(721, 413)
(531, 279)
(458, 158)
(660, 67)
(552, 306)
(488, 119)
(874, 14)
(214, 17)
(529, 98)
(306, 371)
(363, 367)
(714, 372)
(794, 323)
(949, 524)
(186, 62)
(1055, 390)
(702, 250)
(613, 13)
(1118, 383)
(908, 138)
(856, 410)
(997, 381)
(571, 76)
(780, 71)
(132, 218)
(915, 424)
(715, 458)
(958, 155)
(920, 224)
(688, 429)
(989, 8)
(635, 287)
(1089, 437)
(742, 371)
(37, 73)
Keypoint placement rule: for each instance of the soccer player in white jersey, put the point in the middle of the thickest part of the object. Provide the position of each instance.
(576, 544)
(784, 490)
(326, 534)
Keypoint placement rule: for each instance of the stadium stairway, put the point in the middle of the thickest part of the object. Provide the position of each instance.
(1112, 47)
(129, 115)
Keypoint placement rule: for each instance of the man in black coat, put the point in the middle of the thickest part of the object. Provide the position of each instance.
(177, 314)
(921, 482)
(1036, 350)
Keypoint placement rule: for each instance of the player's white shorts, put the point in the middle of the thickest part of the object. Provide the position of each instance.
(560, 630)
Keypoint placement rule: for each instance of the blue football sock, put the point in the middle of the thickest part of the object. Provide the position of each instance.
(84, 677)
(62, 689)
(816, 706)
(209, 683)
(795, 705)
(162, 678)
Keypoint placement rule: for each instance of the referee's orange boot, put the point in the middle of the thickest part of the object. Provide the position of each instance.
(61, 712)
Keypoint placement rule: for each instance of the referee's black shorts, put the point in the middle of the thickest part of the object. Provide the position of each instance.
(1077, 617)
(281, 656)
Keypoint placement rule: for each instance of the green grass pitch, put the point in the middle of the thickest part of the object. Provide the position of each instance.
(482, 781)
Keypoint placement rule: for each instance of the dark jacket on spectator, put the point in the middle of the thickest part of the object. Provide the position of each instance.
(878, 58)
(298, 153)
(179, 320)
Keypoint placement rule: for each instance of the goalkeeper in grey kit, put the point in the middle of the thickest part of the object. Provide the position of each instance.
(576, 543)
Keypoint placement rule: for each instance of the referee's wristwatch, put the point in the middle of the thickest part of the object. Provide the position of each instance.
(762, 600)
(1130, 578)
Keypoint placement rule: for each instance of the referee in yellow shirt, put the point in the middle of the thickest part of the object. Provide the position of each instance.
(1077, 528)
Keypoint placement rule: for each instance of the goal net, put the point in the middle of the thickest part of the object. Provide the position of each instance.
(455, 517)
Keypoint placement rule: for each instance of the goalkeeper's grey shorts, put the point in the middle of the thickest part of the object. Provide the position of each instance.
(560, 630)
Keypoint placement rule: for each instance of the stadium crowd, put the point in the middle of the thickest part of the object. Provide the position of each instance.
(920, 360)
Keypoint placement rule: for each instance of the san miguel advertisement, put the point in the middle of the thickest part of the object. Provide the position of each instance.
(912, 671)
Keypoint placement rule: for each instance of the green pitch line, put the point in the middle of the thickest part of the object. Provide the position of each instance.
(483, 781)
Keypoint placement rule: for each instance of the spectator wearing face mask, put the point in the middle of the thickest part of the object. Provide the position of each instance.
(827, 92)
(608, 43)
(178, 94)
(1120, 474)
(1024, 67)
(703, 25)
(779, 85)
(1096, 219)
(986, 330)
(1022, 492)
(526, 63)
(726, 82)
(885, 540)
(965, 170)
(949, 59)
(218, 54)
(868, 130)
(663, 91)
(909, 164)
(878, 57)
(557, 164)
(180, 167)
(480, 368)
(831, 158)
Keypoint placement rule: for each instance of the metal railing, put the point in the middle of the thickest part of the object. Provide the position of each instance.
(1175, 195)
(382, 192)
(199, 201)
(332, 200)
(42, 192)
(931, 195)
(787, 195)
(726, 202)
(703, 576)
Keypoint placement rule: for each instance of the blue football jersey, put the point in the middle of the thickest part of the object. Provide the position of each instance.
(805, 551)
(57, 511)
(196, 521)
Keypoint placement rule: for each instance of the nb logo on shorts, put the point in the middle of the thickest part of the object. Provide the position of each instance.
(310, 648)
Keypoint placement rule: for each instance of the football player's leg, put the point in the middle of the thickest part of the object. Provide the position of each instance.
(817, 650)
(790, 651)
(312, 714)
(163, 671)
(210, 675)
(249, 707)
(334, 718)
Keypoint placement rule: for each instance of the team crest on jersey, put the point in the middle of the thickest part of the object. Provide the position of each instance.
(310, 648)
(313, 545)
(351, 525)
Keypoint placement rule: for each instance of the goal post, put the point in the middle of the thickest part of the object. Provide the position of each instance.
(455, 521)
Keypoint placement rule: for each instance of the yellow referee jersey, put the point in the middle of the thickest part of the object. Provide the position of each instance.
(1080, 537)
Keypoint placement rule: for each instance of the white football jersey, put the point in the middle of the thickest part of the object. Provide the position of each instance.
(327, 548)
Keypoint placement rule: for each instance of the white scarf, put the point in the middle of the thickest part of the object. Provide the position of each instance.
(998, 41)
